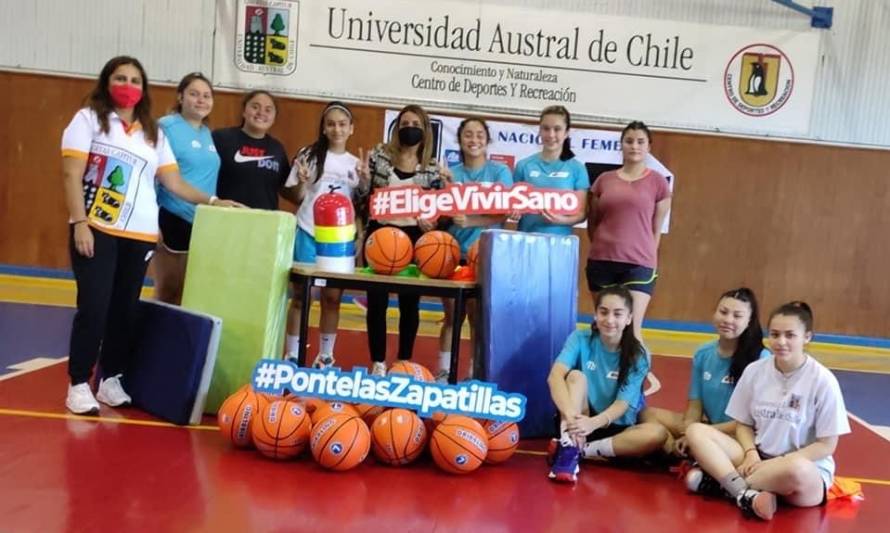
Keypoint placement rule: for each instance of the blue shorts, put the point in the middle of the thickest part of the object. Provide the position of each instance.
(304, 247)
(602, 274)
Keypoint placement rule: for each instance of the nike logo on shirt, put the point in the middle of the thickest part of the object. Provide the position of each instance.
(241, 158)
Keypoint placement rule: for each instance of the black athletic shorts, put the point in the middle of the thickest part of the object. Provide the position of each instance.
(175, 232)
(602, 274)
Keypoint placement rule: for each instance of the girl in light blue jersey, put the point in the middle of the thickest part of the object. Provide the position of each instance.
(596, 384)
(716, 368)
(475, 168)
(554, 167)
(192, 144)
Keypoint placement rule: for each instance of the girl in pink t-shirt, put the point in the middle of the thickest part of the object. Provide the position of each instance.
(626, 211)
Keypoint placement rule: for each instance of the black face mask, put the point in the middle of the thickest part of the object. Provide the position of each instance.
(410, 136)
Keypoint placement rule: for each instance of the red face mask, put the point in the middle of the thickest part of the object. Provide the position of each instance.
(125, 96)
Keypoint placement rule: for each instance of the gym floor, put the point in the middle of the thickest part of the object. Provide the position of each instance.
(125, 471)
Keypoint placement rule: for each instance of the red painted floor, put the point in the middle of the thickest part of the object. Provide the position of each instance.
(60, 474)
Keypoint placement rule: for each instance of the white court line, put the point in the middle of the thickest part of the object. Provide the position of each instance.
(31, 365)
(880, 431)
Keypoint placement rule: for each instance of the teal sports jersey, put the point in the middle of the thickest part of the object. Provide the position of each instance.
(566, 175)
(197, 159)
(490, 172)
(585, 351)
(710, 382)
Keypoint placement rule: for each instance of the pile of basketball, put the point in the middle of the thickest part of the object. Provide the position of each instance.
(389, 250)
(340, 435)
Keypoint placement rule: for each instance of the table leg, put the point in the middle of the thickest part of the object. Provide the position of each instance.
(305, 305)
(457, 321)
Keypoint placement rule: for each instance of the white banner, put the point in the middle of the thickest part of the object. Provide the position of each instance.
(495, 58)
(599, 150)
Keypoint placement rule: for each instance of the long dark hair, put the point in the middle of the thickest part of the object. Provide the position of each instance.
(799, 309)
(460, 130)
(561, 111)
(99, 99)
(750, 341)
(184, 84)
(629, 347)
(318, 151)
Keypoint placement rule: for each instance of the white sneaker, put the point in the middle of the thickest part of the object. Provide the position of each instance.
(378, 369)
(442, 376)
(111, 392)
(323, 361)
(81, 401)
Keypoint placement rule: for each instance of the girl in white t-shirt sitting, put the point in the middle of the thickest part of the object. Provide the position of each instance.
(790, 413)
(324, 166)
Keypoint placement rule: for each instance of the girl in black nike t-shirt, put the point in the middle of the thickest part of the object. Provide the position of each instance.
(254, 164)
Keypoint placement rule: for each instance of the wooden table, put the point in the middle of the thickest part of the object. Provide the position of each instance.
(307, 275)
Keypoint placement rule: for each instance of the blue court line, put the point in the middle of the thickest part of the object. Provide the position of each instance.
(435, 306)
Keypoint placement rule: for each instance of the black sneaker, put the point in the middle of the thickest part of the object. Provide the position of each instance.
(700, 482)
(759, 503)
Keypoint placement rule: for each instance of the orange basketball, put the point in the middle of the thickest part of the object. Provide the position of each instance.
(282, 430)
(397, 437)
(332, 408)
(416, 371)
(340, 442)
(368, 412)
(503, 439)
(473, 258)
(236, 415)
(437, 254)
(459, 444)
(388, 250)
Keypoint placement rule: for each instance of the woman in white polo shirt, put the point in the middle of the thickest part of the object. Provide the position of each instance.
(112, 152)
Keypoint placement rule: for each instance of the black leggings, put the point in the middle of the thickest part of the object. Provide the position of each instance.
(108, 287)
(409, 313)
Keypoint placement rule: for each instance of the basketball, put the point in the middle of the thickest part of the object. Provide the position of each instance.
(503, 439)
(281, 431)
(459, 444)
(236, 415)
(416, 371)
(397, 437)
(473, 258)
(332, 408)
(388, 250)
(437, 254)
(368, 412)
(340, 442)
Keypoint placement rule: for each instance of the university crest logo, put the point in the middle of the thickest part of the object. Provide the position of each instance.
(758, 80)
(266, 40)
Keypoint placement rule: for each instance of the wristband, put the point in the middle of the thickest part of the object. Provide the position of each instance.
(751, 450)
(76, 222)
(212, 199)
(608, 420)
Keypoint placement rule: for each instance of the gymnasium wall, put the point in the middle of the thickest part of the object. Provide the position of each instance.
(790, 220)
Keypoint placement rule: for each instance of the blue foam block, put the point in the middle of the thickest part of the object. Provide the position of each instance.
(172, 362)
(529, 292)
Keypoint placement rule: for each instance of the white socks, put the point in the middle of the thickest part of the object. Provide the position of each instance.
(445, 361)
(327, 343)
(292, 344)
(599, 448)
